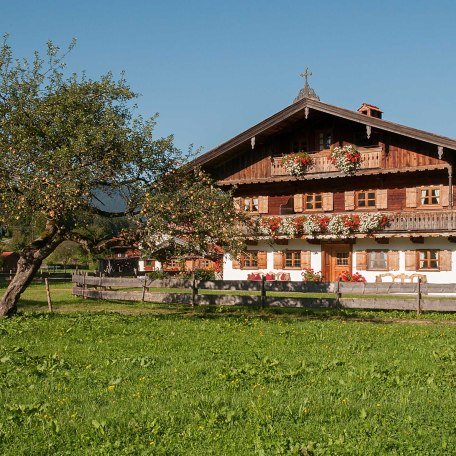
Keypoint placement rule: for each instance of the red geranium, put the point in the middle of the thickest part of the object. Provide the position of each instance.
(351, 221)
(323, 222)
(347, 276)
(272, 224)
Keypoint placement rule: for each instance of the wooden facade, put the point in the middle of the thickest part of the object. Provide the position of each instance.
(405, 173)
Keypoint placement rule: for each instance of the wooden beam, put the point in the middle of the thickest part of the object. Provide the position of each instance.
(417, 239)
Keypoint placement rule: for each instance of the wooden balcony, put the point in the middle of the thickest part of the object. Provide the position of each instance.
(429, 221)
(402, 224)
(370, 159)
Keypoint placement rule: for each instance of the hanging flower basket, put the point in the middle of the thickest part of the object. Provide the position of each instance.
(346, 159)
(297, 164)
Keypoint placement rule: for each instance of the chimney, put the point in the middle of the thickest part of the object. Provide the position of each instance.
(370, 110)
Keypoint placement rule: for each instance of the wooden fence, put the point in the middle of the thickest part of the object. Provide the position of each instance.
(54, 277)
(380, 296)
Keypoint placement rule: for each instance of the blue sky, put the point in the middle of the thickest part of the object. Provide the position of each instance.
(212, 69)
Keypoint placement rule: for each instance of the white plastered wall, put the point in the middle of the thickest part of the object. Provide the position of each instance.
(403, 244)
(294, 244)
(400, 244)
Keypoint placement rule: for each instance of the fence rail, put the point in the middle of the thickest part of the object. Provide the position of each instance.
(55, 277)
(381, 296)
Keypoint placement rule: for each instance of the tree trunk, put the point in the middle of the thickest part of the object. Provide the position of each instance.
(28, 265)
(26, 269)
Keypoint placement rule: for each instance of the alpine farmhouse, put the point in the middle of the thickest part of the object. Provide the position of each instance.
(388, 214)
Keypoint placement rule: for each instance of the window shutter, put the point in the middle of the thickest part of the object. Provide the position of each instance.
(361, 260)
(444, 196)
(263, 204)
(410, 260)
(278, 260)
(393, 260)
(349, 201)
(305, 259)
(297, 202)
(445, 257)
(328, 204)
(382, 198)
(235, 264)
(411, 196)
(237, 203)
(262, 260)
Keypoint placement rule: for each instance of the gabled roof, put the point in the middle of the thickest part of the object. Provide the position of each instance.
(299, 107)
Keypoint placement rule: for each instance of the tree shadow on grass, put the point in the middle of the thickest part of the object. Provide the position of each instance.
(170, 311)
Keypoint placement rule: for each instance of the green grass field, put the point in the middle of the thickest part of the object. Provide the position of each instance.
(102, 378)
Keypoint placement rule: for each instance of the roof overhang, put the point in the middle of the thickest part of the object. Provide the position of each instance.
(305, 106)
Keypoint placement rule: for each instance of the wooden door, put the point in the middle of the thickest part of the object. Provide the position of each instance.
(335, 259)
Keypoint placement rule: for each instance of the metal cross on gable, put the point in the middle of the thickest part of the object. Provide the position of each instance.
(306, 74)
(307, 91)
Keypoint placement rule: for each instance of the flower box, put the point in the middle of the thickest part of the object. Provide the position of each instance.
(297, 164)
(346, 159)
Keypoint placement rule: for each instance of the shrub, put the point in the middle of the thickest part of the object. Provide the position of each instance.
(157, 275)
(204, 274)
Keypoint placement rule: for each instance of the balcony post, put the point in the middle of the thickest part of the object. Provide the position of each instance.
(450, 186)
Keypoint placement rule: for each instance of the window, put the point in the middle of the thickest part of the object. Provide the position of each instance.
(428, 259)
(299, 146)
(250, 260)
(429, 196)
(293, 259)
(324, 140)
(342, 258)
(377, 260)
(250, 204)
(173, 265)
(365, 199)
(314, 201)
(204, 263)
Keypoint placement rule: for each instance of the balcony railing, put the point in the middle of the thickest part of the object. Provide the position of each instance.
(422, 221)
(370, 159)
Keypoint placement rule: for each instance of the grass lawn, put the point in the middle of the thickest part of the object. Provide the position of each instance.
(155, 379)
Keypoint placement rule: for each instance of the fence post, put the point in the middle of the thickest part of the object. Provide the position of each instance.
(338, 294)
(418, 298)
(100, 292)
(84, 285)
(194, 289)
(144, 287)
(263, 291)
(48, 294)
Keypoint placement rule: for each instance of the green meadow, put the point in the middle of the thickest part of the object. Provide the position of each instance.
(102, 378)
